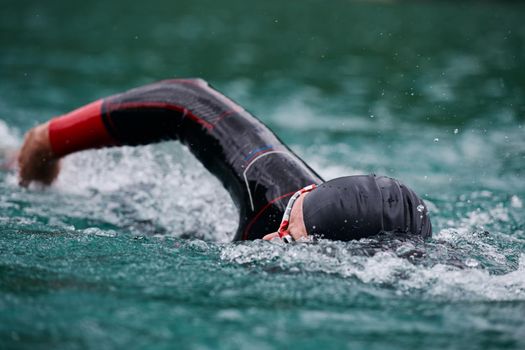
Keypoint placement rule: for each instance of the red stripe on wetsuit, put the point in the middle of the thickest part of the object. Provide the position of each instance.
(79, 130)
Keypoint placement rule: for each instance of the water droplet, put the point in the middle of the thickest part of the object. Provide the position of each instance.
(456, 131)
(436, 139)
(470, 262)
(420, 208)
(516, 202)
(371, 115)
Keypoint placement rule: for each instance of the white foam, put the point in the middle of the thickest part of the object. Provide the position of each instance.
(472, 284)
(160, 185)
(384, 268)
(9, 138)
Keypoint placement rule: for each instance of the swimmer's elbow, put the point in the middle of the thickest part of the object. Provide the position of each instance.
(198, 81)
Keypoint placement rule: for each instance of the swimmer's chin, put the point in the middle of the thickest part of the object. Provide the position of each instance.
(274, 237)
(271, 236)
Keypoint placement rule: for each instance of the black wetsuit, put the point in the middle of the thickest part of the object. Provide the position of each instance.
(257, 169)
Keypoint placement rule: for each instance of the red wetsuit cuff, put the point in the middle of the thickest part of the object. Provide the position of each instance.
(79, 130)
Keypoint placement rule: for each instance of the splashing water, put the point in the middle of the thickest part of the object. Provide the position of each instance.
(143, 190)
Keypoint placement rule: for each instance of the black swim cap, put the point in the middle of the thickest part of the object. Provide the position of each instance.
(354, 207)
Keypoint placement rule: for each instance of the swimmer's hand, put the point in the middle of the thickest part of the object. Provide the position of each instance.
(274, 237)
(36, 161)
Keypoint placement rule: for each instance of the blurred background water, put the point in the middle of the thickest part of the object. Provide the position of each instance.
(130, 248)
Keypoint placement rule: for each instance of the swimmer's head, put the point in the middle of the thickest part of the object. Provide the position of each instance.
(354, 207)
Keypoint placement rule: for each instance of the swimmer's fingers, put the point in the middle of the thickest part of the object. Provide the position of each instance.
(36, 161)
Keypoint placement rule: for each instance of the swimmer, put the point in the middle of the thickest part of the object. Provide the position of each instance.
(278, 195)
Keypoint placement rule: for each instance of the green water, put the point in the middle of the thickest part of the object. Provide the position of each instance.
(129, 249)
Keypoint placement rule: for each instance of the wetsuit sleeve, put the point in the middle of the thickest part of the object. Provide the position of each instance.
(79, 130)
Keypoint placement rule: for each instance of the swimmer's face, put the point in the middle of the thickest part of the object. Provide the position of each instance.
(296, 227)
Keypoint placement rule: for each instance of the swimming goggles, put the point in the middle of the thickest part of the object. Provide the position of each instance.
(283, 228)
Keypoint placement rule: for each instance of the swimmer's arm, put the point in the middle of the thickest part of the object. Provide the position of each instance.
(85, 128)
(148, 114)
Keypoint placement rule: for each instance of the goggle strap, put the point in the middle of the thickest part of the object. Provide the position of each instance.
(283, 234)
